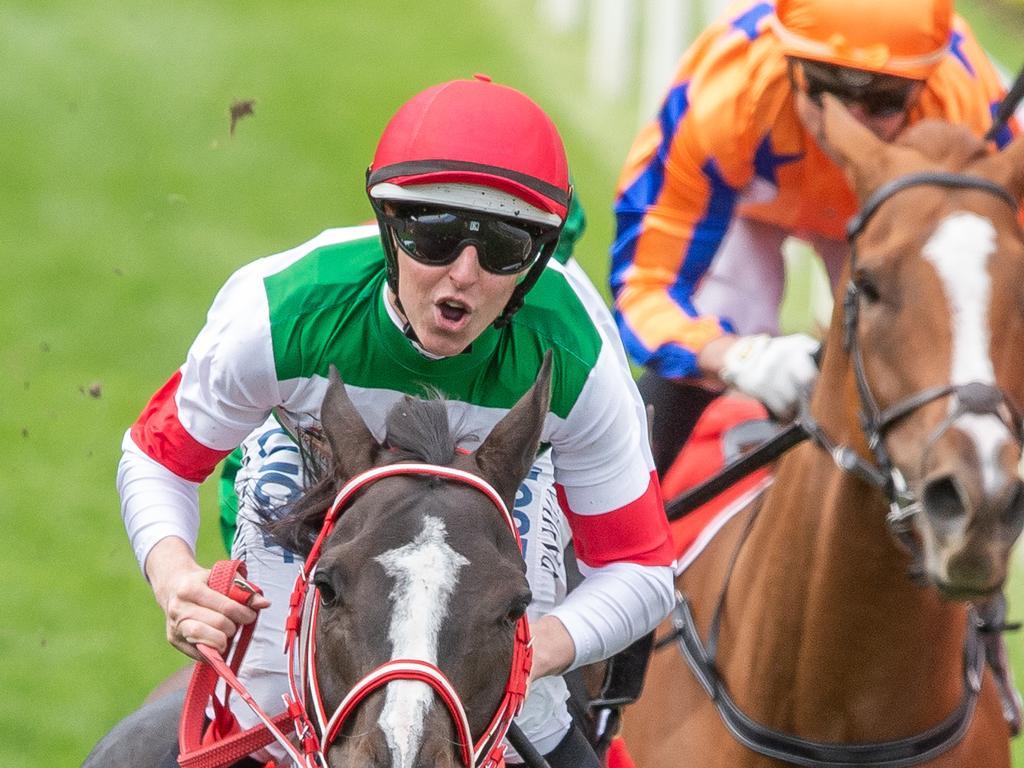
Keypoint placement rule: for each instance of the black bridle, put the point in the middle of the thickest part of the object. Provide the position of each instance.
(971, 398)
(978, 398)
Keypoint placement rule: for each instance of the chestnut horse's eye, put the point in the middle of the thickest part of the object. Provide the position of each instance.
(867, 287)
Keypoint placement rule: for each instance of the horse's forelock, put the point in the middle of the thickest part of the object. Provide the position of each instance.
(953, 146)
(416, 430)
(419, 429)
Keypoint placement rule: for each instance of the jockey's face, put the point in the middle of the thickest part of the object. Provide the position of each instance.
(879, 102)
(450, 305)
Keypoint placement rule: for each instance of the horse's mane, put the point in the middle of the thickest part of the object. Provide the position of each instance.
(953, 146)
(415, 430)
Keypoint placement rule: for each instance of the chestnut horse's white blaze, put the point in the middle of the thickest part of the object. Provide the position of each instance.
(960, 250)
(425, 572)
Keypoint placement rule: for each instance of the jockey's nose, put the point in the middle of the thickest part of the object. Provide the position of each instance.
(465, 270)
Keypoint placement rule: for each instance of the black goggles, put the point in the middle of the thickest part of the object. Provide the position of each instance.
(436, 237)
(878, 95)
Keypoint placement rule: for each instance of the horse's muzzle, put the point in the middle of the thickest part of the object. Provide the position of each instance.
(968, 536)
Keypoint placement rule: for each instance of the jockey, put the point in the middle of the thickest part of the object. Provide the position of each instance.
(454, 289)
(731, 168)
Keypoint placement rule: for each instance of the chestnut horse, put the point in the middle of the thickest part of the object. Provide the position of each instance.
(805, 624)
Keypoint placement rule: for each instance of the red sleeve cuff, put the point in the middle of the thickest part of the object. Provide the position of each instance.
(635, 533)
(160, 434)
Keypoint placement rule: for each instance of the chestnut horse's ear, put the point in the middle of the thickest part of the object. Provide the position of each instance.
(353, 446)
(510, 449)
(864, 158)
(1007, 168)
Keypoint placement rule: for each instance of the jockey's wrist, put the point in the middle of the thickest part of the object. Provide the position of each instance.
(166, 560)
(711, 357)
(553, 648)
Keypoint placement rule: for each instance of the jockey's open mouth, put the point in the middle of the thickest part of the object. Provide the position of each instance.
(452, 312)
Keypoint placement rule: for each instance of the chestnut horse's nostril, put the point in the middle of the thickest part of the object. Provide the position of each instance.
(942, 500)
(1013, 513)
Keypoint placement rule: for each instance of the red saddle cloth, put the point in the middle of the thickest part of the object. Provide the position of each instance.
(618, 755)
(701, 457)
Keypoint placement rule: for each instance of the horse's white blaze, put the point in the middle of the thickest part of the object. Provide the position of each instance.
(960, 250)
(425, 571)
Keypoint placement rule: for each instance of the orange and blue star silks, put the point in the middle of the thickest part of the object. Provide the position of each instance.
(727, 141)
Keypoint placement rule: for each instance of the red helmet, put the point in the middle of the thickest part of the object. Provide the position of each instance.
(474, 144)
(475, 132)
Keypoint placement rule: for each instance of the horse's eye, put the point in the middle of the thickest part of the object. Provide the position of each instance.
(867, 287)
(328, 594)
(517, 608)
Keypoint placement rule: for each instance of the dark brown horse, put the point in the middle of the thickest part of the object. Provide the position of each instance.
(418, 593)
(818, 646)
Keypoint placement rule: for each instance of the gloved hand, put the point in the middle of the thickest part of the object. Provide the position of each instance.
(773, 369)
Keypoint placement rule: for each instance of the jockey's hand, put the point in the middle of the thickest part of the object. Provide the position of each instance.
(773, 369)
(194, 613)
(553, 648)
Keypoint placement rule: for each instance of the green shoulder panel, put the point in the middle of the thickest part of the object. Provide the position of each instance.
(315, 297)
(553, 317)
(326, 309)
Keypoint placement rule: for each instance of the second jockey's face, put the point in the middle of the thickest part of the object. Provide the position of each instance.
(880, 103)
(449, 306)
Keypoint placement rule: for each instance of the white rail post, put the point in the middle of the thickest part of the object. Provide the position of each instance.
(668, 27)
(610, 47)
(561, 15)
(714, 8)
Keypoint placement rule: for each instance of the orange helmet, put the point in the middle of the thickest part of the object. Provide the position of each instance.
(905, 38)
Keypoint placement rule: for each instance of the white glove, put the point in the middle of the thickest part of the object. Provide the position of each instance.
(774, 369)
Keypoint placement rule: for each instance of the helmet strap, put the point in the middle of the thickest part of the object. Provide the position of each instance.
(515, 301)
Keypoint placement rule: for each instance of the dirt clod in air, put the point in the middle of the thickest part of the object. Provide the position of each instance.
(239, 109)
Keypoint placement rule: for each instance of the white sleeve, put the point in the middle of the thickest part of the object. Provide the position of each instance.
(155, 502)
(229, 379)
(614, 606)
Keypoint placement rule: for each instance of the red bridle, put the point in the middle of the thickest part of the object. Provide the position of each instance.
(315, 738)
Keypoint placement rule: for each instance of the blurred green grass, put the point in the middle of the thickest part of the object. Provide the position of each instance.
(126, 203)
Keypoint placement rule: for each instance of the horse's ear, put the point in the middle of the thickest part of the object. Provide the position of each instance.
(859, 152)
(353, 446)
(509, 451)
(1007, 168)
